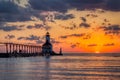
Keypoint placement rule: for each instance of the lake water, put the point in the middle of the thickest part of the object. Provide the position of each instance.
(67, 67)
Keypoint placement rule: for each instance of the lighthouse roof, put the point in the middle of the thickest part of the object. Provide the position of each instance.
(47, 33)
(47, 44)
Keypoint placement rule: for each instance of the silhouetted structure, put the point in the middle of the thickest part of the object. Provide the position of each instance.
(26, 50)
(47, 48)
(60, 51)
(21, 50)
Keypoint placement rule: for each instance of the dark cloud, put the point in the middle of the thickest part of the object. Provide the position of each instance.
(8, 7)
(92, 45)
(73, 35)
(74, 26)
(83, 19)
(9, 28)
(11, 12)
(15, 17)
(31, 38)
(21, 38)
(84, 4)
(109, 44)
(49, 5)
(71, 27)
(30, 27)
(39, 42)
(92, 15)
(85, 25)
(64, 16)
(39, 26)
(105, 20)
(54, 41)
(73, 46)
(112, 29)
(87, 36)
(2, 23)
(9, 36)
(113, 5)
(77, 35)
(34, 38)
(63, 37)
(64, 5)
(47, 28)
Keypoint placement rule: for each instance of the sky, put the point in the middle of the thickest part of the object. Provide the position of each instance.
(79, 26)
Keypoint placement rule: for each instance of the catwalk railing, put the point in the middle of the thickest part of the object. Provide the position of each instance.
(21, 48)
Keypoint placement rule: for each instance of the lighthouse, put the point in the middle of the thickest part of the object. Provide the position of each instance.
(47, 46)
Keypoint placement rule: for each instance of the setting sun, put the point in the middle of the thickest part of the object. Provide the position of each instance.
(97, 51)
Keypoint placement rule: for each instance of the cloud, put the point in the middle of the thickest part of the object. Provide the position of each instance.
(8, 7)
(109, 44)
(85, 25)
(73, 46)
(21, 38)
(17, 10)
(54, 41)
(30, 27)
(112, 29)
(11, 11)
(64, 16)
(30, 38)
(71, 27)
(24, 10)
(10, 28)
(39, 42)
(34, 38)
(72, 35)
(87, 36)
(39, 26)
(37, 39)
(83, 19)
(84, 4)
(92, 15)
(15, 17)
(64, 5)
(9, 36)
(49, 5)
(77, 35)
(63, 37)
(113, 5)
(92, 45)
(105, 20)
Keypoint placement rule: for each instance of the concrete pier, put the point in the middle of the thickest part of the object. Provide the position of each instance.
(21, 49)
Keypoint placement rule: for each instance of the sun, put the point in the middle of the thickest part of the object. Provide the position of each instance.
(97, 51)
